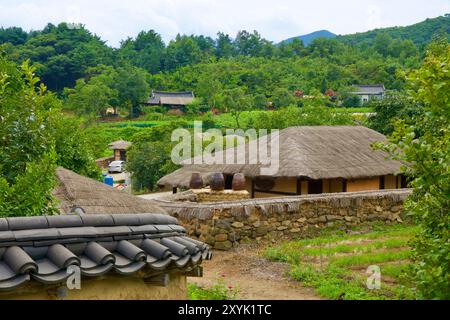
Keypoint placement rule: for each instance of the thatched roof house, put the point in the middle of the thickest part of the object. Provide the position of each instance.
(75, 191)
(120, 149)
(312, 159)
(119, 145)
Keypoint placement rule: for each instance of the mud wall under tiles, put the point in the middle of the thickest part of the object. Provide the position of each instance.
(106, 288)
(226, 224)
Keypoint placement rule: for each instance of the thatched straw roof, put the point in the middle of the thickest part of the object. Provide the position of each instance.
(119, 145)
(315, 152)
(92, 196)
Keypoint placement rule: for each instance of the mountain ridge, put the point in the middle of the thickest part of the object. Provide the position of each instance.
(420, 32)
(310, 37)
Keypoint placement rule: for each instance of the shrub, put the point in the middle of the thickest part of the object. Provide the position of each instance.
(425, 145)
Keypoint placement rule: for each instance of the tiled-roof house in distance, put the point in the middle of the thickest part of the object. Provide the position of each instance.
(173, 102)
(312, 160)
(368, 92)
(114, 245)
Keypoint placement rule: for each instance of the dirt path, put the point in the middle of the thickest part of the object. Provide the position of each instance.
(255, 277)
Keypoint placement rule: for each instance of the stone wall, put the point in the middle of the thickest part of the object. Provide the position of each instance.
(226, 224)
(208, 195)
(104, 162)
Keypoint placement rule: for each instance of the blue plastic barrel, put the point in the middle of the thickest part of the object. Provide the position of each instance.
(109, 180)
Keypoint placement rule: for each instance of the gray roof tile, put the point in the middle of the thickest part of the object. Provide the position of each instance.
(7, 236)
(143, 229)
(36, 234)
(112, 231)
(79, 232)
(26, 223)
(64, 221)
(177, 248)
(126, 219)
(97, 220)
(3, 224)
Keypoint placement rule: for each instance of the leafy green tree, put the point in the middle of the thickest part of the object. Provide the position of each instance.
(27, 156)
(283, 98)
(72, 147)
(182, 51)
(132, 87)
(91, 98)
(125, 87)
(395, 105)
(309, 115)
(260, 102)
(350, 100)
(13, 35)
(251, 44)
(382, 43)
(209, 89)
(292, 49)
(224, 46)
(63, 53)
(236, 101)
(149, 158)
(424, 144)
(145, 52)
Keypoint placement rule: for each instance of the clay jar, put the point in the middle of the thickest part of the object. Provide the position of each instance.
(217, 182)
(238, 182)
(196, 181)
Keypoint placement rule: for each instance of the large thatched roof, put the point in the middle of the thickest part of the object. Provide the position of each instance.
(92, 196)
(316, 152)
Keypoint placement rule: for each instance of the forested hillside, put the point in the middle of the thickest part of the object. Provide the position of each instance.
(78, 65)
(420, 33)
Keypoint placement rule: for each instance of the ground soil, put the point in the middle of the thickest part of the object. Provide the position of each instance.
(255, 277)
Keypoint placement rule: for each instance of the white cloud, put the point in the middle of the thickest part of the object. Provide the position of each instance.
(115, 20)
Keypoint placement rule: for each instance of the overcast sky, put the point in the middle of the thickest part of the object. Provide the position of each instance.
(276, 20)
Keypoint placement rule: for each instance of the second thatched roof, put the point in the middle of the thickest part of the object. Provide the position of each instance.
(119, 145)
(315, 152)
(93, 197)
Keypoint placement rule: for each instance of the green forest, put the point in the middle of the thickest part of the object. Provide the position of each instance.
(57, 85)
(76, 65)
(241, 77)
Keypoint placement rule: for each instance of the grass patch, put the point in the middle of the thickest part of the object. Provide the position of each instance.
(335, 264)
(355, 110)
(219, 291)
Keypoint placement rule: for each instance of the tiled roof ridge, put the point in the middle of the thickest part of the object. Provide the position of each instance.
(91, 220)
(43, 248)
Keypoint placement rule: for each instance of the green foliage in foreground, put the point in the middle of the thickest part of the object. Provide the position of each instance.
(149, 158)
(335, 264)
(219, 291)
(425, 145)
(395, 105)
(27, 154)
(35, 138)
